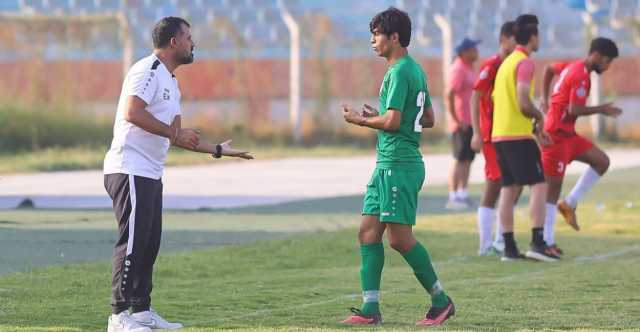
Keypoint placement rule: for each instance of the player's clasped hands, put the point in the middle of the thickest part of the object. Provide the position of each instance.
(351, 115)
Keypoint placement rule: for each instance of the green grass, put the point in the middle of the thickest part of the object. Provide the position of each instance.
(302, 273)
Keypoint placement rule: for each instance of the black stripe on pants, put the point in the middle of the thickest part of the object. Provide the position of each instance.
(137, 204)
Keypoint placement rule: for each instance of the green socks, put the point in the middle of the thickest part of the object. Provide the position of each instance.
(370, 275)
(419, 259)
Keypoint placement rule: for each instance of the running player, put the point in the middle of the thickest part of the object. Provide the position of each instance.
(568, 102)
(392, 193)
(482, 119)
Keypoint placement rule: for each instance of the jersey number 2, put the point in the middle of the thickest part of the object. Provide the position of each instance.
(417, 126)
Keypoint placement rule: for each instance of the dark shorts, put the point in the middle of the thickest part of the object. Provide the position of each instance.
(519, 162)
(461, 141)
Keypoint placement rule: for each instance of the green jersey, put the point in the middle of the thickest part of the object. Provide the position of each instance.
(403, 89)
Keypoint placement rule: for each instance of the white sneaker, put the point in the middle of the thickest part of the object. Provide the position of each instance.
(455, 204)
(123, 322)
(152, 320)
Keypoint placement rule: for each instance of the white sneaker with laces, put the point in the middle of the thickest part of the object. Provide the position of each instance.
(123, 322)
(152, 320)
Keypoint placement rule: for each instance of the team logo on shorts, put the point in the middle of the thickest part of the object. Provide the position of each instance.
(166, 95)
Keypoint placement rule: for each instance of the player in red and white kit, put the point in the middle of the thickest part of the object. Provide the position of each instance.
(568, 102)
(482, 121)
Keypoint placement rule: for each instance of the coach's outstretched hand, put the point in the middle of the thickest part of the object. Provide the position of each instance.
(228, 151)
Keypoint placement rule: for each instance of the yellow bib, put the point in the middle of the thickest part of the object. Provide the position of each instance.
(508, 121)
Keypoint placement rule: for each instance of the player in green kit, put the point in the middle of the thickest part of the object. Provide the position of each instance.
(392, 193)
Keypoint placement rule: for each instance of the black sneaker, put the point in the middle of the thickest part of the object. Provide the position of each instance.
(512, 255)
(541, 253)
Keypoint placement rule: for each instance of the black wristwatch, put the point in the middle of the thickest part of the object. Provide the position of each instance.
(218, 153)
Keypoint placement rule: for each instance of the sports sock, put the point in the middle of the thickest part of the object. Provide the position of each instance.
(549, 224)
(586, 181)
(370, 274)
(498, 238)
(537, 236)
(509, 242)
(453, 195)
(486, 217)
(419, 260)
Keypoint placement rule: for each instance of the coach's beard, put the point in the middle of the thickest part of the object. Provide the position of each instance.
(186, 59)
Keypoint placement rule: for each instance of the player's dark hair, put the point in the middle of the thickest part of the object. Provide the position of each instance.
(391, 21)
(526, 26)
(165, 29)
(604, 46)
(507, 29)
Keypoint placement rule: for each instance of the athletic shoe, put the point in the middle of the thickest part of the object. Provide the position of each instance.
(437, 316)
(541, 253)
(152, 320)
(466, 201)
(555, 250)
(358, 318)
(456, 204)
(569, 214)
(123, 322)
(509, 256)
(491, 251)
(498, 246)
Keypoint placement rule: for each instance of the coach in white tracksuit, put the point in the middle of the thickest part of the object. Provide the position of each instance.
(147, 123)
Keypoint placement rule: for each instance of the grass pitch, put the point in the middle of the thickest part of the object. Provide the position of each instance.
(295, 267)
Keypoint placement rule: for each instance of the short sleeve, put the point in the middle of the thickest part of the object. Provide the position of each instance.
(525, 70)
(559, 66)
(484, 82)
(397, 91)
(142, 83)
(427, 97)
(579, 90)
(456, 81)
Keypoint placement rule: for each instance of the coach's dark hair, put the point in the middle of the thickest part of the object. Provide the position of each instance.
(165, 29)
(604, 46)
(507, 29)
(393, 20)
(526, 26)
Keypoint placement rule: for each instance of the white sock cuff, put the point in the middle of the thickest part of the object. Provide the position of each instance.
(371, 296)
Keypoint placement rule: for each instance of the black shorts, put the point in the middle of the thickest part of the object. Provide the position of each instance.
(461, 141)
(519, 162)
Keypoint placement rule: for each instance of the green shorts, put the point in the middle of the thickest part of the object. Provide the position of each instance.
(392, 194)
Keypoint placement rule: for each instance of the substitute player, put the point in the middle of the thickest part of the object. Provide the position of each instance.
(392, 193)
(568, 102)
(515, 119)
(147, 122)
(482, 119)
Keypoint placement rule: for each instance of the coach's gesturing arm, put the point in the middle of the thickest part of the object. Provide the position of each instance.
(136, 113)
(203, 146)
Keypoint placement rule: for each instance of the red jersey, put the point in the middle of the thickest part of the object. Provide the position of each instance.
(484, 85)
(572, 88)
